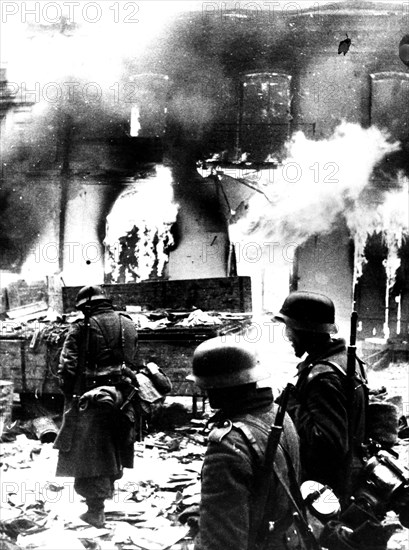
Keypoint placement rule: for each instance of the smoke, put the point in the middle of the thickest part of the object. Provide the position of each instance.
(138, 230)
(78, 78)
(318, 181)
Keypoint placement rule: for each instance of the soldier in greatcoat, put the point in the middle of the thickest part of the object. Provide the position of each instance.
(96, 439)
(242, 507)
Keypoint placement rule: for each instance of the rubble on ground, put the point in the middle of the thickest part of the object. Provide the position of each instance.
(42, 511)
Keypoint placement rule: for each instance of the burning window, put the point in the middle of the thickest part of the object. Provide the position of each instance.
(139, 229)
(148, 95)
(265, 114)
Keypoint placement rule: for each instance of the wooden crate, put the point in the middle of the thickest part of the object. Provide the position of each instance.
(27, 369)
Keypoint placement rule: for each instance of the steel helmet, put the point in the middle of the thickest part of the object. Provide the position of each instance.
(309, 311)
(89, 294)
(222, 362)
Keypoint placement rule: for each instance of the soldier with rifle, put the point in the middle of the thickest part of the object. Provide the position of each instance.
(330, 400)
(250, 468)
(97, 373)
(338, 426)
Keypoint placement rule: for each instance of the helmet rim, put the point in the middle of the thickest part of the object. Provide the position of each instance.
(221, 362)
(230, 379)
(89, 294)
(330, 328)
(308, 311)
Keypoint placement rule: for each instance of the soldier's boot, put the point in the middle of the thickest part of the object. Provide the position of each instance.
(95, 514)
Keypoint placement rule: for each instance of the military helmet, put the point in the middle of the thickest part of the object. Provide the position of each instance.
(89, 294)
(222, 362)
(309, 311)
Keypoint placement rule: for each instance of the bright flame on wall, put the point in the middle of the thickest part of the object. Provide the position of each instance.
(387, 214)
(318, 182)
(138, 229)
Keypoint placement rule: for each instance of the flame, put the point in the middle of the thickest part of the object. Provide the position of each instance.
(138, 229)
(386, 213)
(318, 182)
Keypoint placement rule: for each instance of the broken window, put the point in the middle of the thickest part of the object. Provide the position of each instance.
(264, 124)
(390, 103)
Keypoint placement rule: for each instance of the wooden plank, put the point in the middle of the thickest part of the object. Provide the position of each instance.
(231, 294)
(20, 293)
(28, 311)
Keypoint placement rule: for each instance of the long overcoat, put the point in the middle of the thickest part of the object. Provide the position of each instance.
(97, 441)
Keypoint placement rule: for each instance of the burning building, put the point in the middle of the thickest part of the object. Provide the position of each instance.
(302, 153)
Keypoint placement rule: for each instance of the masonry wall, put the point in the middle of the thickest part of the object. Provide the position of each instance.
(205, 57)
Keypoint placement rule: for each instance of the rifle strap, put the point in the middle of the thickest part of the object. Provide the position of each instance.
(292, 489)
(328, 363)
(339, 369)
(295, 496)
(79, 385)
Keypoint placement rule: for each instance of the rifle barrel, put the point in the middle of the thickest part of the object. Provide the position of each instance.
(354, 323)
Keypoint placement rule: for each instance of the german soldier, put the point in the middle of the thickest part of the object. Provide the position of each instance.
(96, 438)
(330, 439)
(240, 508)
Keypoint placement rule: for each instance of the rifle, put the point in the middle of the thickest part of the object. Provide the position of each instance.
(351, 371)
(351, 353)
(277, 428)
(291, 488)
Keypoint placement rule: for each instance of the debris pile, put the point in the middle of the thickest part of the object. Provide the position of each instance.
(40, 511)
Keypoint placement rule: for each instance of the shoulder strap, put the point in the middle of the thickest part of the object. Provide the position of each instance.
(246, 430)
(338, 368)
(292, 489)
(327, 365)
